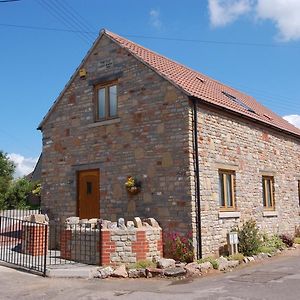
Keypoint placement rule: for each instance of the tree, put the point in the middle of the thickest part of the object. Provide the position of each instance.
(18, 193)
(7, 169)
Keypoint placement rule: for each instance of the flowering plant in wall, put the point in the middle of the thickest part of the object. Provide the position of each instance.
(133, 185)
(179, 246)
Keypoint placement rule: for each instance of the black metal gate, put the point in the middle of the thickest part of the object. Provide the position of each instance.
(37, 246)
(24, 244)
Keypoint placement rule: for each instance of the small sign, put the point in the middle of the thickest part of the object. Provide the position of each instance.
(233, 238)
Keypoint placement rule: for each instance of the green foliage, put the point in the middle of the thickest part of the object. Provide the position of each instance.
(179, 247)
(236, 256)
(17, 193)
(210, 259)
(7, 169)
(142, 264)
(297, 240)
(37, 189)
(249, 238)
(266, 249)
(270, 244)
(274, 241)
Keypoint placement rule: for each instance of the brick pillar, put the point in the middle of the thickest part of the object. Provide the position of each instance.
(106, 247)
(34, 239)
(140, 246)
(65, 247)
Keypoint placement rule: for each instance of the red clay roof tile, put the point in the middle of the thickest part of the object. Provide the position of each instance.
(202, 87)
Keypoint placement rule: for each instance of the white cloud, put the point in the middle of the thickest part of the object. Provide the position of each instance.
(284, 13)
(155, 18)
(224, 12)
(24, 165)
(293, 119)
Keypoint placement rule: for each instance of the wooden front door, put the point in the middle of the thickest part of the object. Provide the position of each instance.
(88, 194)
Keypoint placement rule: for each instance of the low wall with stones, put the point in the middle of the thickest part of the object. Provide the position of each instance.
(101, 242)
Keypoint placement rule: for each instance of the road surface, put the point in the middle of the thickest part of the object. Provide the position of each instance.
(277, 278)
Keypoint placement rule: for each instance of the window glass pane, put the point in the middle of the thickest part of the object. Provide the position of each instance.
(113, 100)
(269, 193)
(221, 189)
(89, 188)
(264, 192)
(229, 191)
(101, 103)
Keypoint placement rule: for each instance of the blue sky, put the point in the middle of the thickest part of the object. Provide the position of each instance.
(252, 45)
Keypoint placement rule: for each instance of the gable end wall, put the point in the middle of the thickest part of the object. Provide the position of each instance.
(149, 141)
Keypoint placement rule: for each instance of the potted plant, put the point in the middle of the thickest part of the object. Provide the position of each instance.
(133, 186)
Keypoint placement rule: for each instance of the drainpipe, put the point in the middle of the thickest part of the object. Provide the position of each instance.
(197, 181)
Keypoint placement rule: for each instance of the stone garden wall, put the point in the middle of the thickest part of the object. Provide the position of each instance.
(103, 242)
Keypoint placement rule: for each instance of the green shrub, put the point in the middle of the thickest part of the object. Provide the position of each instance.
(237, 256)
(297, 240)
(142, 264)
(274, 241)
(210, 259)
(266, 249)
(249, 238)
(270, 244)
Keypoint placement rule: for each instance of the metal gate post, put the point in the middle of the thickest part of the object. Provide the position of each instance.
(45, 249)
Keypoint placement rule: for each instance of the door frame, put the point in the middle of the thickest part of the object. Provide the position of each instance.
(77, 187)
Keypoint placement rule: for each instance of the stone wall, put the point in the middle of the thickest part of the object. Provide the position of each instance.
(251, 150)
(152, 140)
(111, 243)
(148, 140)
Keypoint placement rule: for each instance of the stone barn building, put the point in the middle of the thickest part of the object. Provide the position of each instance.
(207, 156)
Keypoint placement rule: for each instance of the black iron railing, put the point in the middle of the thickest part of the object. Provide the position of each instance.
(76, 243)
(38, 246)
(24, 244)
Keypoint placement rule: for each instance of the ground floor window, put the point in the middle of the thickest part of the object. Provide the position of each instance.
(268, 192)
(227, 189)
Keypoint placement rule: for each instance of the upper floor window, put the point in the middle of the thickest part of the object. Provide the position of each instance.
(227, 189)
(106, 101)
(268, 192)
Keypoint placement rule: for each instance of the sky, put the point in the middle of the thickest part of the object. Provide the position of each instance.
(251, 45)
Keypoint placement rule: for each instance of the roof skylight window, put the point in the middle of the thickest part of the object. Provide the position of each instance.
(268, 117)
(200, 78)
(238, 101)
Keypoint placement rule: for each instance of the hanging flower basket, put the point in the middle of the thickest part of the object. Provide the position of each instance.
(133, 186)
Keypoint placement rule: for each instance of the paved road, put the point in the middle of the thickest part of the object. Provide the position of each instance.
(277, 278)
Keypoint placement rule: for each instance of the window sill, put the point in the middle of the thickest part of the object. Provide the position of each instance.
(229, 214)
(105, 122)
(270, 213)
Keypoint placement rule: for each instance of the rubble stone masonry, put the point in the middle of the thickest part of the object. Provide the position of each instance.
(109, 243)
(148, 140)
(251, 150)
(152, 140)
